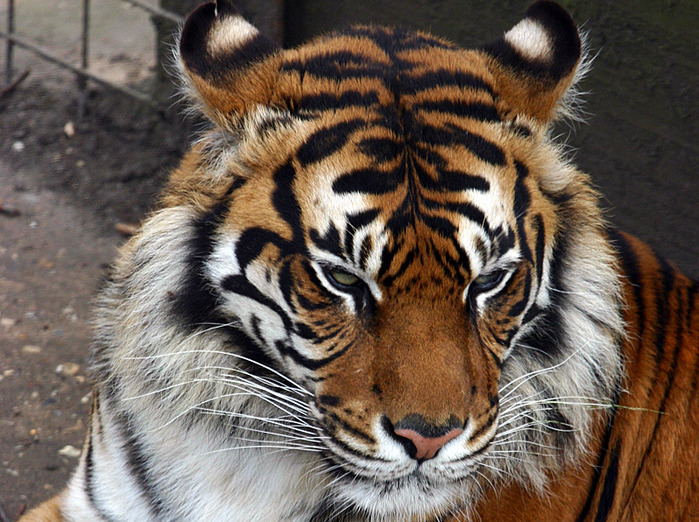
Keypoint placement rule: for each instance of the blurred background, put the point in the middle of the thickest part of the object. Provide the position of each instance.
(90, 125)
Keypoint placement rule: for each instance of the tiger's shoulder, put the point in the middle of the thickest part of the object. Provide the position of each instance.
(646, 449)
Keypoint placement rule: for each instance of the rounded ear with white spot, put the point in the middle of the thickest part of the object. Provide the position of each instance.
(227, 63)
(536, 61)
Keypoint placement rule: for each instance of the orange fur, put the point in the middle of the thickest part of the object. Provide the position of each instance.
(653, 439)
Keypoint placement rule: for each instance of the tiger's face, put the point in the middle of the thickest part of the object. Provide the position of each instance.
(388, 226)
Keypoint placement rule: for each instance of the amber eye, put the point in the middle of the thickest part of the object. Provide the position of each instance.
(487, 281)
(342, 278)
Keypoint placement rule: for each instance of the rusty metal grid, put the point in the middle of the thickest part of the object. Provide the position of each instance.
(82, 72)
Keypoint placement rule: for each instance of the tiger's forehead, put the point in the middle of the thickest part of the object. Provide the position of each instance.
(402, 142)
(398, 143)
(381, 190)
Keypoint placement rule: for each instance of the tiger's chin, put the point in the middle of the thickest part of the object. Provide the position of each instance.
(416, 496)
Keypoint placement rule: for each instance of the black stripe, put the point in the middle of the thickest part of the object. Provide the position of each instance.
(332, 66)
(326, 141)
(240, 342)
(286, 284)
(330, 100)
(388, 280)
(444, 227)
(381, 149)
(606, 499)
(305, 332)
(253, 241)
(463, 208)
(355, 222)
(328, 400)
(365, 251)
(368, 181)
(239, 285)
(397, 38)
(456, 180)
(521, 130)
(631, 265)
(548, 336)
(533, 312)
(462, 108)
(348, 449)
(461, 264)
(311, 364)
(286, 204)
(450, 134)
(447, 266)
(492, 415)
(346, 426)
(505, 240)
(311, 306)
(539, 249)
(330, 242)
(138, 460)
(451, 180)
(663, 307)
(389, 251)
(604, 451)
(518, 307)
(522, 201)
(431, 156)
(89, 460)
(414, 83)
(252, 51)
(195, 302)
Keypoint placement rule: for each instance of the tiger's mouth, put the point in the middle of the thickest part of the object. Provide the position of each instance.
(391, 477)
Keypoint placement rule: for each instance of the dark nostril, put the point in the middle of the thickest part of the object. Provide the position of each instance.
(422, 440)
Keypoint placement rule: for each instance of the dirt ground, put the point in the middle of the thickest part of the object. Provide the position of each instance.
(62, 193)
(61, 198)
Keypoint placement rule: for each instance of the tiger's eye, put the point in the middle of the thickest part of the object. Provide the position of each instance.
(343, 278)
(488, 281)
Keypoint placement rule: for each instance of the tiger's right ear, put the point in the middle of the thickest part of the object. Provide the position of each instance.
(229, 65)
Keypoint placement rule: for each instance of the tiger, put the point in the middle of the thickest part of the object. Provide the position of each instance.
(377, 289)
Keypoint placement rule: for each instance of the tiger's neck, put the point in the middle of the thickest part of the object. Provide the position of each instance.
(186, 471)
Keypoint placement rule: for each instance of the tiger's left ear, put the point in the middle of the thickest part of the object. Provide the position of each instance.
(536, 61)
(228, 64)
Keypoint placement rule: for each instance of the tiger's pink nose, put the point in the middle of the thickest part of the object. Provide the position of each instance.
(427, 447)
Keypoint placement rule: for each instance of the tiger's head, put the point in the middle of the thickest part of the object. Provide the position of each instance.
(382, 219)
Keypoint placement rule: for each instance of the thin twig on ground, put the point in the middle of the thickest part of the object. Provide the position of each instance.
(12, 86)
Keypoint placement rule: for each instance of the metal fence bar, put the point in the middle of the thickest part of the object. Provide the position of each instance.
(49, 56)
(157, 11)
(84, 55)
(10, 43)
(83, 71)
